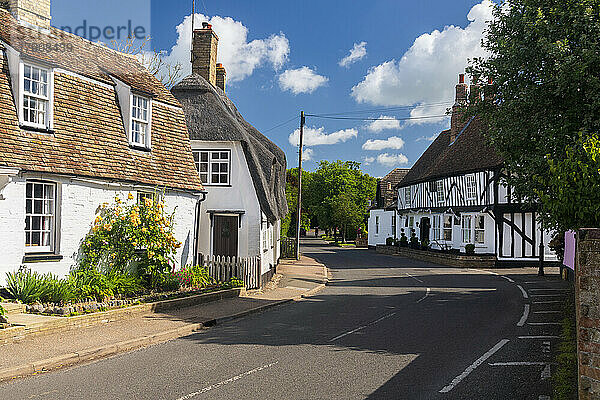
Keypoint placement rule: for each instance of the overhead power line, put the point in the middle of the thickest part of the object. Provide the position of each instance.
(376, 119)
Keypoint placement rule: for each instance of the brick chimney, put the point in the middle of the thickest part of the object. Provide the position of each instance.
(221, 75)
(35, 12)
(457, 120)
(204, 53)
(475, 91)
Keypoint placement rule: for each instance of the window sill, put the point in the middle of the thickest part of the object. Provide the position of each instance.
(215, 185)
(36, 129)
(41, 257)
(140, 147)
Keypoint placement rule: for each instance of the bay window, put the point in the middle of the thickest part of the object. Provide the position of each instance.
(467, 235)
(480, 229)
(436, 227)
(448, 227)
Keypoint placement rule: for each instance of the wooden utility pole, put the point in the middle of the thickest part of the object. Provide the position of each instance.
(299, 208)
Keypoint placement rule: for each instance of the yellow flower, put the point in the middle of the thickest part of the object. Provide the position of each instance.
(98, 219)
(147, 202)
(117, 200)
(130, 196)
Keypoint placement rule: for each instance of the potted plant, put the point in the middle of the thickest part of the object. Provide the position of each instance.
(470, 249)
(414, 241)
(389, 241)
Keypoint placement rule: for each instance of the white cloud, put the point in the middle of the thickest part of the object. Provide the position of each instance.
(317, 136)
(239, 57)
(427, 70)
(382, 123)
(393, 142)
(391, 160)
(301, 80)
(307, 154)
(369, 160)
(358, 52)
(427, 138)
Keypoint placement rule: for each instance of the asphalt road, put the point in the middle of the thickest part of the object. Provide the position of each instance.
(386, 328)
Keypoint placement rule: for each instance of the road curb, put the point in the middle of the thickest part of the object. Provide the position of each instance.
(82, 356)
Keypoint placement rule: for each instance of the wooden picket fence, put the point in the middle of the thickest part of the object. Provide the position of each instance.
(224, 268)
(288, 247)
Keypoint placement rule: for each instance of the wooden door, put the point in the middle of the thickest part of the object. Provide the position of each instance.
(225, 235)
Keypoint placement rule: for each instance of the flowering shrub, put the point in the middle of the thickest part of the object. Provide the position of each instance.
(131, 237)
(193, 277)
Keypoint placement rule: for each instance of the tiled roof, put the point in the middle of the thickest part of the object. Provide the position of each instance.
(89, 138)
(470, 152)
(386, 192)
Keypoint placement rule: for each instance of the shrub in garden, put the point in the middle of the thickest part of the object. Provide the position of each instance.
(29, 287)
(389, 241)
(131, 238)
(194, 276)
(414, 241)
(470, 248)
(425, 244)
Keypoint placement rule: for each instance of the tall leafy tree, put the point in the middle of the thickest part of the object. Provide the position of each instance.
(545, 66)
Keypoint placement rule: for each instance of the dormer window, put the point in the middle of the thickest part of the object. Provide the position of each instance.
(36, 96)
(140, 121)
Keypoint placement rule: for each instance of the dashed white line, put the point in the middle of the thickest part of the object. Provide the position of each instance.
(523, 292)
(539, 337)
(518, 363)
(424, 297)
(548, 302)
(225, 382)
(546, 312)
(416, 279)
(546, 295)
(544, 397)
(550, 290)
(546, 372)
(361, 327)
(524, 316)
(472, 367)
(507, 278)
(543, 323)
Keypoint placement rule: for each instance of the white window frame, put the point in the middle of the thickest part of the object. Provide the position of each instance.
(471, 187)
(436, 228)
(447, 228)
(51, 214)
(264, 237)
(479, 229)
(439, 191)
(394, 225)
(209, 163)
(467, 229)
(377, 224)
(48, 99)
(407, 196)
(146, 143)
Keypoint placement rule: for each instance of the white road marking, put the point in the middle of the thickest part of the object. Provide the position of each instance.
(545, 347)
(484, 271)
(225, 382)
(507, 278)
(543, 323)
(361, 327)
(544, 397)
(416, 279)
(551, 290)
(525, 296)
(539, 337)
(546, 295)
(472, 367)
(423, 298)
(524, 316)
(548, 302)
(518, 363)
(297, 288)
(546, 372)
(546, 312)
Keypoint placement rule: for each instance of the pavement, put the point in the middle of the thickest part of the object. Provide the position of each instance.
(43, 352)
(385, 327)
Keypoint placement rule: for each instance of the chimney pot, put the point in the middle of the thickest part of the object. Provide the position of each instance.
(461, 78)
(205, 25)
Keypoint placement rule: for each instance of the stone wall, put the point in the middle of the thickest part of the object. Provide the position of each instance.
(587, 301)
(453, 260)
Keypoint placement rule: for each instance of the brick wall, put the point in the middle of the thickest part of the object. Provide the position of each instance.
(587, 301)
(205, 54)
(36, 12)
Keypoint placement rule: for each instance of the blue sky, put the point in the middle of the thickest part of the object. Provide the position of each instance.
(284, 56)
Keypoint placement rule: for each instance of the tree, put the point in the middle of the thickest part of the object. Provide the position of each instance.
(346, 212)
(545, 66)
(288, 224)
(154, 61)
(572, 198)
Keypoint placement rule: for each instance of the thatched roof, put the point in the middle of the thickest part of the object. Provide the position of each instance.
(211, 116)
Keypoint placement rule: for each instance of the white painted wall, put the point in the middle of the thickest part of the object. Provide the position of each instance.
(378, 236)
(240, 195)
(77, 203)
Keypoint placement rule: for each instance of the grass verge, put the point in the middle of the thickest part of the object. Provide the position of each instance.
(564, 380)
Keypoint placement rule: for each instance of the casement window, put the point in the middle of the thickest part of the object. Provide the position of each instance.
(265, 236)
(140, 121)
(213, 166)
(36, 88)
(439, 190)
(411, 222)
(40, 216)
(153, 196)
(377, 225)
(467, 235)
(471, 187)
(448, 227)
(394, 225)
(436, 230)
(407, 196)
(480, 229)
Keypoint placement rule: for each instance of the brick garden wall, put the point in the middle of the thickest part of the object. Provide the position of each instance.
(454, 260)
(587, 301)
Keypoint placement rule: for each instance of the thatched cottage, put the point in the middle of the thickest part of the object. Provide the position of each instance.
(242, 170)
(80, 124)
